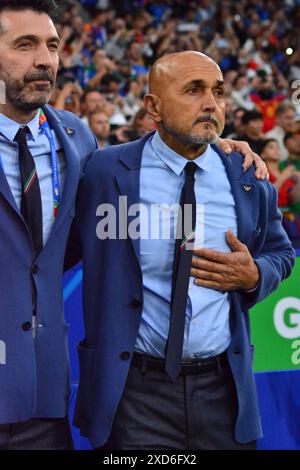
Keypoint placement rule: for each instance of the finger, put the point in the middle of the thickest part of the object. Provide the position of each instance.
(210, 276)
(247, 162)
(243, 147)
(209, 284)
(261, 171)
(210, 266)
(225, 145)
(212, 255)
(233, 242)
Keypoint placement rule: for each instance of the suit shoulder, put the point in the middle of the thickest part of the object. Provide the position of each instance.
(110, 160)
(265, 188)
(70, 119)
(105, 161)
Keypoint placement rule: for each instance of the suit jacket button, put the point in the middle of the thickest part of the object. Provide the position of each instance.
(125, 356)
(135, 303)
(35, 269)
(26, 326)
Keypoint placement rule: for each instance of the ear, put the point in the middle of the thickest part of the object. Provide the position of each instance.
(152, 106)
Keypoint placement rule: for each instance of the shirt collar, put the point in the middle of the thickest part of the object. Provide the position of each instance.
(175, 161)
(9, 128)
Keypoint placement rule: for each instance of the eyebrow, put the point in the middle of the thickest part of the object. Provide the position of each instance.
(33, 38)
(203, 84)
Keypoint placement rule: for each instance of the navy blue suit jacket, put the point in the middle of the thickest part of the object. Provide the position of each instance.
(113, 285)
(34, 374)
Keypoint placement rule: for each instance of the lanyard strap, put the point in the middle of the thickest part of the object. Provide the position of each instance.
(44, 126)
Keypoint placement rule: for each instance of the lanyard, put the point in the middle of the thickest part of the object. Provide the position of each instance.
(44, 126)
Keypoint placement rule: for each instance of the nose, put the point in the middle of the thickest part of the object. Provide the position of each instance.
(208, 104)
(43, 57)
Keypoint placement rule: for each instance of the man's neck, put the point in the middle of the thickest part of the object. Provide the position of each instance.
(17, 115)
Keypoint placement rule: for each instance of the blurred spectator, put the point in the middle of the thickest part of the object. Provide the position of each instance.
(252, 122)
(69, 98)
(240, 93)
(142, 123)
(265, 98)
(99, 124)
(297, 123)
(292, 144)
(229, 122)
(91, 101)
(238, 128)
(285, 122)
(281, 179)
(286, 179)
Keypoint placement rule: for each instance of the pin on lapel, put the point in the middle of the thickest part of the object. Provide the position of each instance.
(70, 131)
(247, 188)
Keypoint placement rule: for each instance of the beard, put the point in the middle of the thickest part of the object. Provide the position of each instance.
(205, 137)
(26, 95)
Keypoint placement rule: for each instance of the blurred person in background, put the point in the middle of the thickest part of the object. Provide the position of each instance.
(292, 144)
(100, 126)
(90, 102)
(285, 176)
(142, 122)
(240, 93)
(285, 180)
(238, 128)
(265, 98)
(285, 122)
(69, 97)
(252, 122)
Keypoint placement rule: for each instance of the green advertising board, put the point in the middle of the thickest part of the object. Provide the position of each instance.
(275, 327)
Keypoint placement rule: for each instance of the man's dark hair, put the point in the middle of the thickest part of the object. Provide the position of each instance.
(250, 116)
(40, 6)
(86, 92)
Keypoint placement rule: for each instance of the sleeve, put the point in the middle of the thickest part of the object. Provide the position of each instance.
(276, 258)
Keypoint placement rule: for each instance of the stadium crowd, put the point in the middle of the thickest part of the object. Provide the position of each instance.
(108, 46)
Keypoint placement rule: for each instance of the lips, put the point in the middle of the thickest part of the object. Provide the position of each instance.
(40, 79)
(206, 121)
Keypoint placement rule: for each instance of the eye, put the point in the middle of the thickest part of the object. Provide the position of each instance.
(53, 47)
(219, 92)
(193, 90)
(24, 45)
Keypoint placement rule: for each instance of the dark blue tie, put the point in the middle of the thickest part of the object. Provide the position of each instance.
(181, 272)
(31, 205)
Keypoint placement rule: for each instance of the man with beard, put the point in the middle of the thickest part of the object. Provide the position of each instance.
(166, 362)
(42, 154)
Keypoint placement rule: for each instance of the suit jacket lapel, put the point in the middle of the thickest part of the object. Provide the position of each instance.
(6, 192)
(245, 196)
(129, 181)
(65, 135)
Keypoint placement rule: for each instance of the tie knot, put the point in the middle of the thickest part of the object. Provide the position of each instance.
(20, 136)
(190, 169)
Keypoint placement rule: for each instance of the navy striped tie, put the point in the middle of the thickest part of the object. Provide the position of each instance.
(31, 204)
